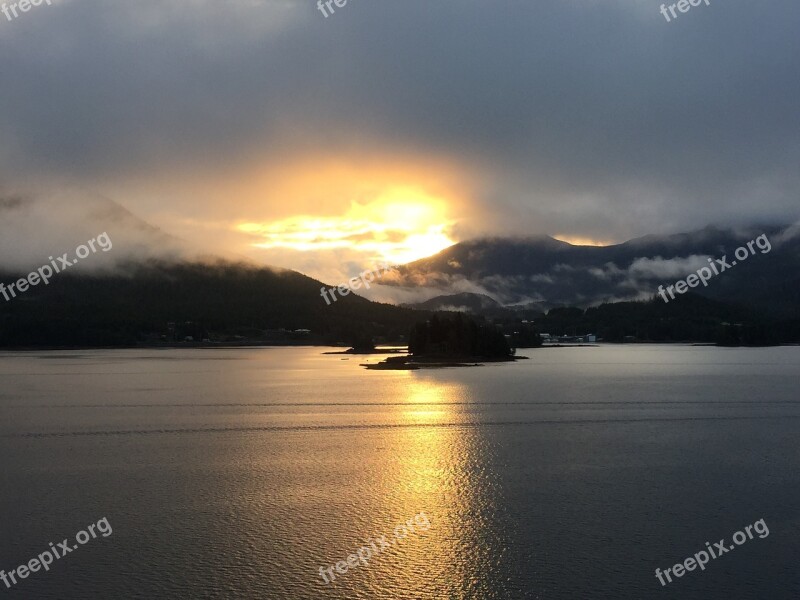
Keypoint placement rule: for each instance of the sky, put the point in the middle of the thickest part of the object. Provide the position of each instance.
(387, 131)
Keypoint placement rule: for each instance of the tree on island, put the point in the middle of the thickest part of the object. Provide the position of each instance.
(457, 336)
(363, 343)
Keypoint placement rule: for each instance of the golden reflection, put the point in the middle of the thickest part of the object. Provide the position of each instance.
(426, 396)
(431, 474)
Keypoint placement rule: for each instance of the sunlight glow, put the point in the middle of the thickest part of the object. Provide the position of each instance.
(582, 241)
(401, 225)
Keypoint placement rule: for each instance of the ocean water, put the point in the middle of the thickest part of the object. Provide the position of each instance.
(240, 473)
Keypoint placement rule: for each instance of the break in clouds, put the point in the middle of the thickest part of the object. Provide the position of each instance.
(588, 119)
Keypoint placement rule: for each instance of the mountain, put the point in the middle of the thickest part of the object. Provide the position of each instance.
(154, 302)
(690, 318)
(463, 302)
(549, 272)
(149, 289)
(144, 286)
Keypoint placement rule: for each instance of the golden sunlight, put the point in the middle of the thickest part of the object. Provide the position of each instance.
(581, 241)
(400, 225)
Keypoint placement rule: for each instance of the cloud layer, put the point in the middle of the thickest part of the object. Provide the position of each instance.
(594, 119)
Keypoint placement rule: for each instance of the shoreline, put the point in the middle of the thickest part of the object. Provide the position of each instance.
(393, 349)
(411, 363)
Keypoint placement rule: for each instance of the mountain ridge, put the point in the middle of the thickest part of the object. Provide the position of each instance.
(550, 272)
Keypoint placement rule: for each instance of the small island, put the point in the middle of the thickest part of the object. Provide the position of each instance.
(455, 341)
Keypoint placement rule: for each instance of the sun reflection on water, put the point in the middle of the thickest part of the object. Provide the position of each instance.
(433, 471)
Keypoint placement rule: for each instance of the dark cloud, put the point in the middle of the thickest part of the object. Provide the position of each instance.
(592, 118)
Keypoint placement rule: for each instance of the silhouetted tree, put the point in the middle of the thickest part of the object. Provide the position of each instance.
(457, 336)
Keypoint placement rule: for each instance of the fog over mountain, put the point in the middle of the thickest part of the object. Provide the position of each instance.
(594, 120)
(531, 272)
(547, 272)
(35, 225)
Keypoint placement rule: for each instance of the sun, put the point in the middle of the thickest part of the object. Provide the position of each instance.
(400, 225)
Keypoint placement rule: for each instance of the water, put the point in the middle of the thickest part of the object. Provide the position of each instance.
(239, 473)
